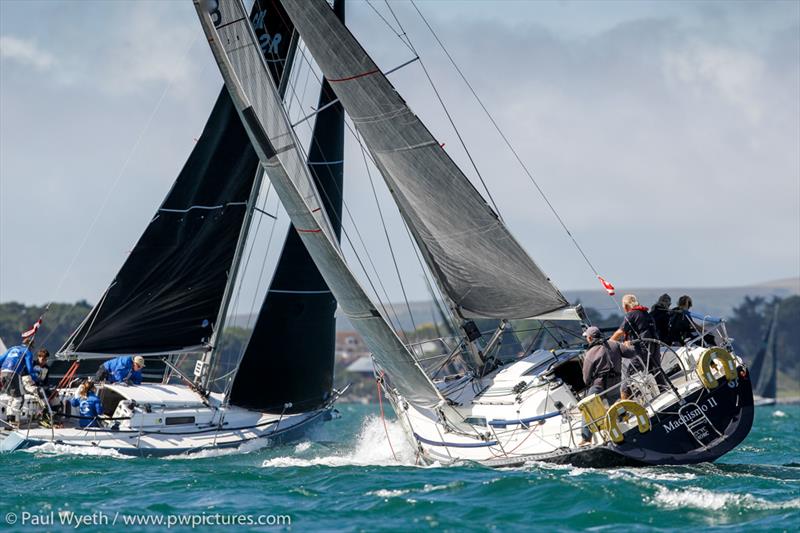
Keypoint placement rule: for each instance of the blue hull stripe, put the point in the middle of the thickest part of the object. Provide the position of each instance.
(503, 423)
(455, 444)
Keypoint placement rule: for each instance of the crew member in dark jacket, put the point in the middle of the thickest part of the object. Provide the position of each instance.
(638, 329)
(681, 326)
(660, 314)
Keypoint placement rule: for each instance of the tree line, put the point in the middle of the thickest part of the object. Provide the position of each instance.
(747, 325)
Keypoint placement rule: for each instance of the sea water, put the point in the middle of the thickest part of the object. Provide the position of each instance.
(357, 474)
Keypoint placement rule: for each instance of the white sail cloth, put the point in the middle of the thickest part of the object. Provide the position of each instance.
(482, 268)
(238, 55)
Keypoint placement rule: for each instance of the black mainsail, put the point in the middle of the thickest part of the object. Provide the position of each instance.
(166, 298)
(289, 358)
(481, 267)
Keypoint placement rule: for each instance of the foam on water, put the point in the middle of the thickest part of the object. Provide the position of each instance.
(371, 447)
(51, 448)
(779, 414)
(396, 493)
(698, 498)
(246, 447)
(651, 474)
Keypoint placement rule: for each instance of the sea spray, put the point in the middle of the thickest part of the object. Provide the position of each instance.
(370, 447)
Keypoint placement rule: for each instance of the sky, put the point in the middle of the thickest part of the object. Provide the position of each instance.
(665, 134)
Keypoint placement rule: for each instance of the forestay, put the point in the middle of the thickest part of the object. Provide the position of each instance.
(236, 51)
(482, 268)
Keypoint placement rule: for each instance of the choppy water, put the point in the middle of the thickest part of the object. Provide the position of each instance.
(351, 482)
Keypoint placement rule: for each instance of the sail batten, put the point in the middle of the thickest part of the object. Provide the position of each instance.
(481, 267)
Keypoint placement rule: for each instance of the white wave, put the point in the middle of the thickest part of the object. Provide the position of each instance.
(385, 493)
(650, 474)
(396, 493)
(699, 498)
(246, 447)
(51, 448)
(778, 413)
(371, 448)
(302, 446)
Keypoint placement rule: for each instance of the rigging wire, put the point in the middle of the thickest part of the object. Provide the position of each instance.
(510, 146)
(388, 240)
(398, 326)
(446, 111)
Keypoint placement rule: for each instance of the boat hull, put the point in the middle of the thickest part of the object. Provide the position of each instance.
(728, 408)
(152, 444)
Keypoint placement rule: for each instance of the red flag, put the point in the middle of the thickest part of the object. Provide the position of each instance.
(31, 332)
(607, 286)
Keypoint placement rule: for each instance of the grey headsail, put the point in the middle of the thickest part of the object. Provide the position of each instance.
(255, 96)
(290, 355)
(482, 268)
(166, 296)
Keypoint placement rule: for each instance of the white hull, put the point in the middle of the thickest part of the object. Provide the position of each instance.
(542, 422)
(160, 420)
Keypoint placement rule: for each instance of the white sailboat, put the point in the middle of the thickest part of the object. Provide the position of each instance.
(492, 410)
(171, 297)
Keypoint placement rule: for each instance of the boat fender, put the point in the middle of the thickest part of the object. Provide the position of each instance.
(719, 357)
(626, 409)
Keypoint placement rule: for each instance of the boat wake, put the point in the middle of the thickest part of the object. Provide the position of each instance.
(51, 449)
(244, 448)
(370, 448)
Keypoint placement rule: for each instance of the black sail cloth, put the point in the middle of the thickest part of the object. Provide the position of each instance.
(167, 294)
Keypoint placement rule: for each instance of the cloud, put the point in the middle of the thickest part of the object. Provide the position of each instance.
(733, 74)
(25, 52)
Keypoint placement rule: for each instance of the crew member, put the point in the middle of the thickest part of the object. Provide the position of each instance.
(123, 369)
(681, 326)
(660, 314)
(17, 361)
(41, 369)
(88, 403)
(639, 330)
(38, 378)
(602, 368)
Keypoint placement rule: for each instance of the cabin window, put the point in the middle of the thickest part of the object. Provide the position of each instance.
(175, 420)
(476, 420)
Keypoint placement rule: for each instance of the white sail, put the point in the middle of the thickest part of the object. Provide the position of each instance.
(238, 55)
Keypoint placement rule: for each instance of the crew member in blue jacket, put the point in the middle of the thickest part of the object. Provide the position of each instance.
(124, 369)
(17, 361)
(88, 403)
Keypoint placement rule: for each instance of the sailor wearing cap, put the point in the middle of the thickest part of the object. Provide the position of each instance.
(124, 369)
(602, 367)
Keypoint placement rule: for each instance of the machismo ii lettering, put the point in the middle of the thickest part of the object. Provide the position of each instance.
(689, 417)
